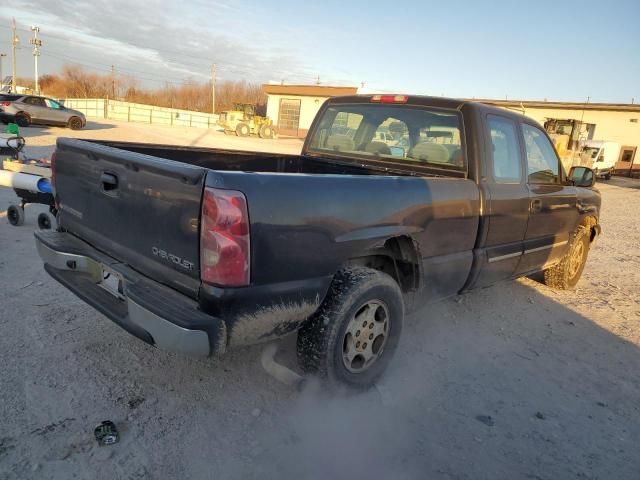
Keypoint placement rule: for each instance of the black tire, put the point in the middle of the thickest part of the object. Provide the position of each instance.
(15, 214)
(243, 130)
(266, 131)
(22, 119)
(566, 274)
(75, 123)
(44, 221)
(323, 339)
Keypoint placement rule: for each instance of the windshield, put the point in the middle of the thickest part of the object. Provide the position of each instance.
(590, 152)
(402, 134)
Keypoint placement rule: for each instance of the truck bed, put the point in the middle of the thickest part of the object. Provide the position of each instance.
(141, 205)
(237, 160)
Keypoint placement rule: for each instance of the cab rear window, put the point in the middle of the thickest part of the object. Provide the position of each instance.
(401, 134)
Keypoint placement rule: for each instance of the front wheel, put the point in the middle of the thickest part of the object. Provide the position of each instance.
(565, 275)
(352, 337)
(75, 123)
(266, 131)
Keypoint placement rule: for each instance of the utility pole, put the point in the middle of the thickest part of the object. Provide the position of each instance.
(2, 55)
(113, 82)
(318, 80)
(37, 43)
(14, 42)
(213, 88)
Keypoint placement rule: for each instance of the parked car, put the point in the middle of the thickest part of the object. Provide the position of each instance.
(197, 250)
(28, 110)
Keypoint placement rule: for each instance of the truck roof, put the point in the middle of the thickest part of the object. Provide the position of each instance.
(429, 101)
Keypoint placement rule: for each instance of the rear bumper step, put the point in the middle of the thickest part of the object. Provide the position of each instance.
(152, 312)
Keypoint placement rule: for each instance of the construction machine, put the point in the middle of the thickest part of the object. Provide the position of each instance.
(243, 121)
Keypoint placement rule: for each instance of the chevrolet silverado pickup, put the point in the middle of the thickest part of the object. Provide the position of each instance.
(198, 250)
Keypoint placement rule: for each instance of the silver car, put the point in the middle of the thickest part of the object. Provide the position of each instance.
(26, 110)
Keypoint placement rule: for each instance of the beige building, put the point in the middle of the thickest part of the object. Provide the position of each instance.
(293, 107)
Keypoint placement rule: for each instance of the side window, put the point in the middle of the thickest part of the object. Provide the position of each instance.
(38, 102)
(506, 151)
(52, 104)
(543, 165)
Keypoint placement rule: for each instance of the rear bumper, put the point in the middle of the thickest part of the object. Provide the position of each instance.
(7, 117)
(152, 312)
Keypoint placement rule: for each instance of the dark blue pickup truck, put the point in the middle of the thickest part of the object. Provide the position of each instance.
(395, 201)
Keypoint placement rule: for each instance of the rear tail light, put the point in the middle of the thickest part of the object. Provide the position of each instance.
(5, 104)
(390, 99)
(224, 238)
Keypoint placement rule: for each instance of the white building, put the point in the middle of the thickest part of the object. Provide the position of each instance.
(293, 107)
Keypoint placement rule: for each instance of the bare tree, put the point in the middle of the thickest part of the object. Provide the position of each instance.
(75, 82)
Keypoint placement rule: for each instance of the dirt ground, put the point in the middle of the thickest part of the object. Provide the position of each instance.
(515, 381)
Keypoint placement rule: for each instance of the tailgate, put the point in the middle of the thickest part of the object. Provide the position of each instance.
(142, 210)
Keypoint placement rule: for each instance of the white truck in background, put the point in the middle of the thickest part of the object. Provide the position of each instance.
(601, 156)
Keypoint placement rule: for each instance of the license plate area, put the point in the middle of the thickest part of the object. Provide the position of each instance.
(112, 283)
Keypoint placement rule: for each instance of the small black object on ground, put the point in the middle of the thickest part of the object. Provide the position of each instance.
(106, 433)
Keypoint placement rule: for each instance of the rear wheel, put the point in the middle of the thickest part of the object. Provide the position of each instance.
(15, 214)
(22, 119)
(243, 130)
(75, 123)
(352, 337)
(566, 274)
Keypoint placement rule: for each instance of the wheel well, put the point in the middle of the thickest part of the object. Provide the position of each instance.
(590, 223)
(398, 258)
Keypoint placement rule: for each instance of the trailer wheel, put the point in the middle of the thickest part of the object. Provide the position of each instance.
(352, 337)
(243, 130)
(44, 221)
(15, 214)
(266, 131)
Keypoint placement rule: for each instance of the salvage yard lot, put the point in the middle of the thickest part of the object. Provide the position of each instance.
(513, 381)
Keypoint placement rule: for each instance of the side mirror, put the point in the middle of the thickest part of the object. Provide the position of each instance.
(582, 176)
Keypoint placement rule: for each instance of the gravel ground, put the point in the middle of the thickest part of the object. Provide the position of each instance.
(513, 381)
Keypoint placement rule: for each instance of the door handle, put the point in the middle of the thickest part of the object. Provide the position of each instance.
(535, 206)
(109, 181)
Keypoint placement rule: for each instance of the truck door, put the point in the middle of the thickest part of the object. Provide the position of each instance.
(553, 214)
(507, 195)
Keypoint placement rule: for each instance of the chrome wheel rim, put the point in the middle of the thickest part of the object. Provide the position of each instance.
(366, 336)
(576, 259)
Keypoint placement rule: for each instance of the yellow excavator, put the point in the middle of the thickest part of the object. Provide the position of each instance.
(243, 121)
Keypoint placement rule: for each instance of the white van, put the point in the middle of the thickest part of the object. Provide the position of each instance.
(600, 155)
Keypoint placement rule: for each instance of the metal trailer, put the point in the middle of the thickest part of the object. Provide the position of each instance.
(34, 190)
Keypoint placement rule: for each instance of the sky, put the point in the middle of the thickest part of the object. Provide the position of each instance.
(532, 50)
